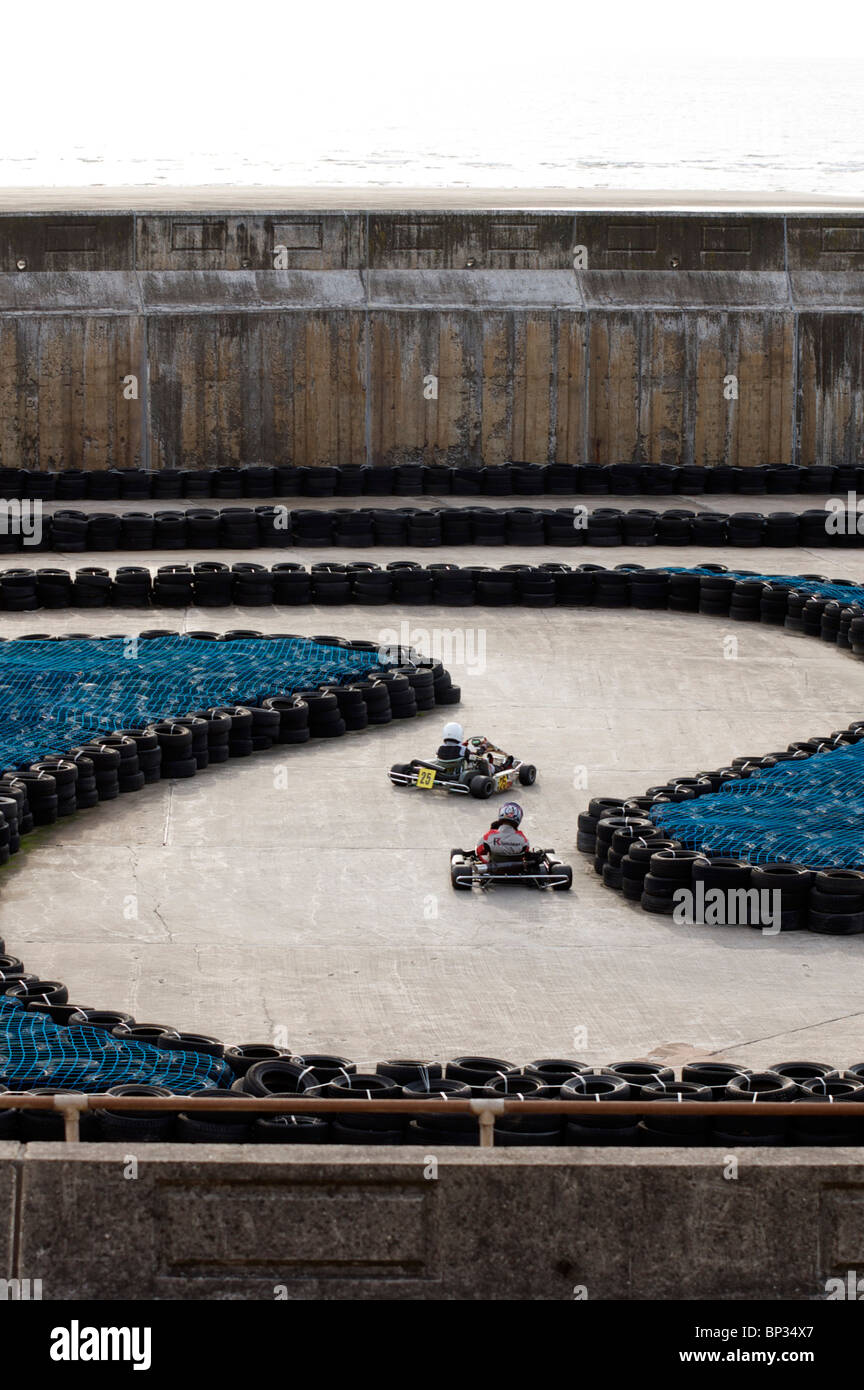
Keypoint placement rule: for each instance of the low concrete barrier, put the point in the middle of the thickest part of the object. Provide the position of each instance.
(100, 1221)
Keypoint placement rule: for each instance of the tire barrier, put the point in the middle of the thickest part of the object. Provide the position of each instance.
(768, 842)
(88, 1051)
(247, 528)
(58, 756)
(327, 686)
(413, 479)
(804, 603)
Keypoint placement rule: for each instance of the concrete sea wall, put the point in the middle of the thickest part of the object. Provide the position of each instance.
(158, 339)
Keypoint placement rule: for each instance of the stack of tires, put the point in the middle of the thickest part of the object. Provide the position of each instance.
(175, 744)
(670, 869)
(836, 902)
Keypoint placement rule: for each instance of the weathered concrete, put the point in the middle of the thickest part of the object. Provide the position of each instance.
(309, 334)
(312, 1222)
(299, 891)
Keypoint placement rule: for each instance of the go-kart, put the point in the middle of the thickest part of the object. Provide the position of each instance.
(540, 868)
(487, 770)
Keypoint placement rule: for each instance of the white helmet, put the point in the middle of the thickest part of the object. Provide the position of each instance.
(453, 731)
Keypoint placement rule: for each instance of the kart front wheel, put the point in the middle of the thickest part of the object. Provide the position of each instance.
(563, 887)
(481, 787)
(527, 774)
(455, 873)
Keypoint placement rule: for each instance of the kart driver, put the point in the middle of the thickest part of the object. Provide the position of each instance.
(504, 839)
(454, 751)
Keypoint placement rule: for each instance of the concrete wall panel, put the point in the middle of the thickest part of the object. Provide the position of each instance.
(614, 366)
(826, 243)
(678, 241)
(534, 375)
(489, 240)
(405, 350)
(571, 383)
(663, 391)
(228, 388)
(831, 401)
(335, 1222)
(204, 241)
(61, 391)
(67, 241)
(755, 426)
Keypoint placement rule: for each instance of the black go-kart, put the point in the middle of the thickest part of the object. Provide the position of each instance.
(538, 868)
(487, 770)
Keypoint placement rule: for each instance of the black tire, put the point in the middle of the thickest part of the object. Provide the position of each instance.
(135, 1126)
(454, 875)
(477, 1071)
(244, 1055)
(652, 904)
(563, 887)
(602, 806)
(673, 865)
(527, 774)
(833, 902)
(848, 881)
(790, 879)
(481, 787)
(187, 767)
(204, 1128)
(804, 1072)
(275, 1077)
(836, 923)
(404, 1070)
(292, 1129)
(763, 1085)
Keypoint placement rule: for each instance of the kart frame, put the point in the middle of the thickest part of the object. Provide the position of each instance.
(467, 869)
(428, 775)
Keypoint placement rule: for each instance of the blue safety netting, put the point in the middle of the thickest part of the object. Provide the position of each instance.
(35, 1052)
(56, 694)
(808, 812)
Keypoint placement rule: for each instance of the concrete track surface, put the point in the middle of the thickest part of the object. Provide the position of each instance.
(297, 895)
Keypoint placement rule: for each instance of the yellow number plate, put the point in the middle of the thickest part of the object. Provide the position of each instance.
(426, 777)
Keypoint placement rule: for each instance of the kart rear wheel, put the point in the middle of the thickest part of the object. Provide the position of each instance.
(481, 787)
(563, 887)
(403, 768)
(527, 774)
(455, 873)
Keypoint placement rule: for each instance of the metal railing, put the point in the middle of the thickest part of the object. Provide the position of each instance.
(73, 1105)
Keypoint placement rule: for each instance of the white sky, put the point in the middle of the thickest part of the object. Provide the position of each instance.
(115, 75)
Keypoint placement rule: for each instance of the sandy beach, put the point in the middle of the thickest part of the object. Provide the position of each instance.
(272, 198)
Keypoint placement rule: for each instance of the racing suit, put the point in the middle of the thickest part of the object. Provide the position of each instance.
(503, 840)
